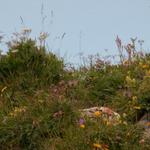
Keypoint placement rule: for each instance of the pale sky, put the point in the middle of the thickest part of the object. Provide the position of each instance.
(90, 26)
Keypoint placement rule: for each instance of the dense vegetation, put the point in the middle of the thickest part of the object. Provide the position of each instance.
(40, 99)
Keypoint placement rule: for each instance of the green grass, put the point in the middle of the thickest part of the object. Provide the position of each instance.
(40, 101)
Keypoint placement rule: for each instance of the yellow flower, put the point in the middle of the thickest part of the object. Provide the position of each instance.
(96, 145)
(145, 66)
(137, 107)
(130, 81)
(82, 126)
(17, 111)
(97, 113)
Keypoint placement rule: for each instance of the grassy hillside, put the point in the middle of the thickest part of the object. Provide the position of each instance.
(41, 99)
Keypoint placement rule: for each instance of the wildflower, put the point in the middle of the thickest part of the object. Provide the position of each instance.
(130, 81)
(17, 111)
(96, 145)
(3, 89)
(97, 113)
(43, 36)
(137, 107)
(145, 66)
(101, 146)
(82, 126)
(81, 123)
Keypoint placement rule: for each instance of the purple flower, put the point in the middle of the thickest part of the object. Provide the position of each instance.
(81, 121)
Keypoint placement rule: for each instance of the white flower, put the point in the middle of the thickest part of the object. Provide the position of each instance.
(43, 36)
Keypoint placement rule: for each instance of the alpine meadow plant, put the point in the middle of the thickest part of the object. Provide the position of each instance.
(42, 100)
(30, 65)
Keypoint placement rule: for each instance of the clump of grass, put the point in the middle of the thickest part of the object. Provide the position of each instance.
(40, 100)
(29, 66)
(26, 126)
